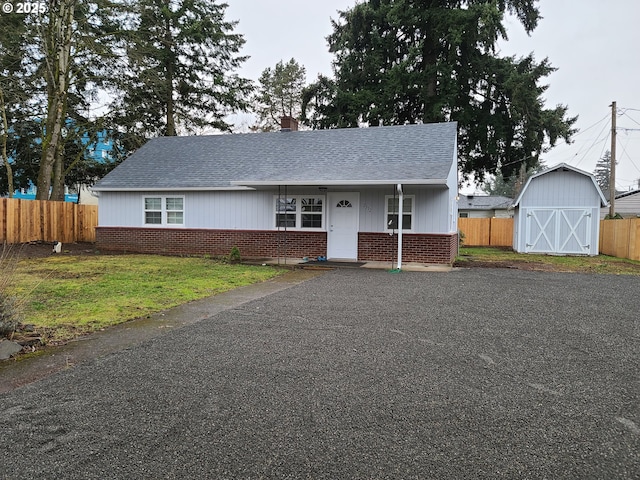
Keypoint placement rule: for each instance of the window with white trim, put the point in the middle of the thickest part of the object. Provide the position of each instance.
(300, 212)
(164, 211)
(391, 212)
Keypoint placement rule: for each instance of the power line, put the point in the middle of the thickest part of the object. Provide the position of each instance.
(630, 118)
(624, 151)
(589, 128)
(594, 143)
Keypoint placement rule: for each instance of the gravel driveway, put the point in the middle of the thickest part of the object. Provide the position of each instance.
(357, 374)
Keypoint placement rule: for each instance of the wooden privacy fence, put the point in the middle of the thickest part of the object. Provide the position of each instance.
(23, 221)
(620, 238)
(486, 232)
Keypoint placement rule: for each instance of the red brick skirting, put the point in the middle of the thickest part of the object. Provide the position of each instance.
(423, 248)
(416, 247)
(251, 243)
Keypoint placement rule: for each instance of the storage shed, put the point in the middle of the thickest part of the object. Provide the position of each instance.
(558, 212)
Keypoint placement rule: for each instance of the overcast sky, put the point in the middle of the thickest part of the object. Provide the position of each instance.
(593, 44)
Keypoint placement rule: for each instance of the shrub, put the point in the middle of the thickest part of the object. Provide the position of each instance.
(234, 255)
(461, 237)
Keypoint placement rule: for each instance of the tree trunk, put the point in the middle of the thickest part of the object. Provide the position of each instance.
(171, 121)
(431, 112)
(57, 73)
(5, 137)
(57, 192)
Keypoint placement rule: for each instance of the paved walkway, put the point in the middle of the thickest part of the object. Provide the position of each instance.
(357, 374)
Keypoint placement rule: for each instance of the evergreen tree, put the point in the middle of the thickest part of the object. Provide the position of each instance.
(602, 172)
(64, 52)
(279, 94)
(511, 186)
(168, 64)
(177, 74)
(13, 109)
(408, 61)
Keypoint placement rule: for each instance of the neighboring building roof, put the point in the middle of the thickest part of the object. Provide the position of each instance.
(411, 154)
(484, 202)
(628, 194)
(565, 167)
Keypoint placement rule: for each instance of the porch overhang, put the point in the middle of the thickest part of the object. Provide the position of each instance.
(172, 189)
(337, 183)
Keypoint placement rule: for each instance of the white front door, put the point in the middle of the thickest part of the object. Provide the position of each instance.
(343, 221)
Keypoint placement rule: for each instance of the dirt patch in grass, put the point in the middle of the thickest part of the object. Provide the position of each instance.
(45, 249)
(513, 264)
(488, 257)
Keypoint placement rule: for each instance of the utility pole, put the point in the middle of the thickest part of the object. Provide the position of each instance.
(612, 176)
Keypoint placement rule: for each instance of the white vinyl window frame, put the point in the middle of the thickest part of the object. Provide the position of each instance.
(391, 211)
(165, 211)
(300, 212)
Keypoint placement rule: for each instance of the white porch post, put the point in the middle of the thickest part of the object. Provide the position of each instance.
(400, 202)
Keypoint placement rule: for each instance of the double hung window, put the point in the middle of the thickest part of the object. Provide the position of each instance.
(300, 212)
(392, 211)
(164, 211)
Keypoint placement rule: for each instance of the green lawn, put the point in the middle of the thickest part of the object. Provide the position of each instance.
(71, 295)
(585, 264)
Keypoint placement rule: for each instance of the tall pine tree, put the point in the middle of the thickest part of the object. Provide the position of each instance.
(408, 61)
(178, 70)
(279, 94)
(602, 173)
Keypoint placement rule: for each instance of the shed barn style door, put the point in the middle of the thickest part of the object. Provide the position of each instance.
(558, 230)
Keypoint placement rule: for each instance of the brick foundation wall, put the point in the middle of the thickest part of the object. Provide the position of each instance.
(420, 248)
(251, 243)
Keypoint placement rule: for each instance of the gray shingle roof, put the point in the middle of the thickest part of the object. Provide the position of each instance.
(408, 153)
(483, 202)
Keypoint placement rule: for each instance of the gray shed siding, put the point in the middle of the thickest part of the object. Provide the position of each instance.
(561, 189)
(558, 212)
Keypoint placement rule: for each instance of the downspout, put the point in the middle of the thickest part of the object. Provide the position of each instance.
(400, 224)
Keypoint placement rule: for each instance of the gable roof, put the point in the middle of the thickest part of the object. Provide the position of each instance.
(483, 202)
(564, 167)
(411, 154)
(628, 194)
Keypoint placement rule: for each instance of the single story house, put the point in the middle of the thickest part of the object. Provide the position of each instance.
(334, 193)
(627, 204)
(485, 206)
(558, 212)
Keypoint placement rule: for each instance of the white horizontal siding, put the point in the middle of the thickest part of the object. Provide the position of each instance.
(431, 212)
(230, 210)
(219, 210)
(255, 210)
(119, 209)
(626, 206)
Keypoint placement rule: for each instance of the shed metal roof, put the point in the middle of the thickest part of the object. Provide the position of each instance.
(418, 154)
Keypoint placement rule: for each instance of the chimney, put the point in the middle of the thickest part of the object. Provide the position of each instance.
(288, 124)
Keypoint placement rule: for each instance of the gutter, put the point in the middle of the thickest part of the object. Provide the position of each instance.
(267, 183)
(400, 225)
